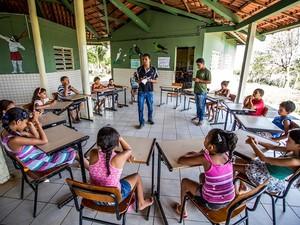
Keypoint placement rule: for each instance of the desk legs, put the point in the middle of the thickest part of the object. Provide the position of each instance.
(70, 119)
(157, 192)
(160, 100)
(226, 119)
(69, 197)
(88, 110)
(152, 182)
(177, 93)
(217, 116)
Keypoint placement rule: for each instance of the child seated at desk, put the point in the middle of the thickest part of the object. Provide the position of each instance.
(5, 105)
(283, 121)
(274, 169)
(255, 102)
(216, 188)
(111, 85)
(40, 100)
(211, 106)
(106, 166)
(20, 137)
(64, 90)
(134, 87)
(98, 87)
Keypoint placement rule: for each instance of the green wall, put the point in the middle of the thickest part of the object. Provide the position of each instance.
(171, 32)
(52, 34)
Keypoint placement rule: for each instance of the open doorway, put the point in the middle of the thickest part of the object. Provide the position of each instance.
(184, 66)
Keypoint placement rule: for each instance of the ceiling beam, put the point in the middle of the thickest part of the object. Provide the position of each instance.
(283, 28)
(139, 22)
(106, 17)
(88, 26)
(269, 11)
(172, 10)
(138, 4)
(221, 10)
(186, 5)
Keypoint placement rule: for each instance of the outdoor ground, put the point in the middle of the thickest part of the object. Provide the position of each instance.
(169, 124)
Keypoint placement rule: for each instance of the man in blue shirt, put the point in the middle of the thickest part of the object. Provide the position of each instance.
(146, 76)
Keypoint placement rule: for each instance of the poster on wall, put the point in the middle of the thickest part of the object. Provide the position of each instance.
(163, 62)
(135, 63)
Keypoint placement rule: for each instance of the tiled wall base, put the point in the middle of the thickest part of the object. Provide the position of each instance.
(19, 87)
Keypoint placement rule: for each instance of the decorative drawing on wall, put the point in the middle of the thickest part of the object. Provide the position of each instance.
(119, 58)
(135, 50)
(159, 48)
(15, 56)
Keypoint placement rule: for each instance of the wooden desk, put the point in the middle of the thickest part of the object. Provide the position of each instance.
(257, 123)
(172, 150)
(60, 105)
(50, 119)
(75, 97)
(170, 88)
(218, 99)
(244, 150)
(187, 92)
(235, 108)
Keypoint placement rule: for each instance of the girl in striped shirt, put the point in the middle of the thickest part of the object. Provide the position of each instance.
(20, 137)
(216, 188)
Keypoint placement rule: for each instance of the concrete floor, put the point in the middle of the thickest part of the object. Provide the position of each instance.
(169, 124)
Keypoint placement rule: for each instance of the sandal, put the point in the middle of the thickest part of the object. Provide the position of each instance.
(178, 211)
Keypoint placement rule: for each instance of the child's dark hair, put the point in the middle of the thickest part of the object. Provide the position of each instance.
(96, 78)
(289, 106)
(13, 114)
(107, 140)
(200, 60)
(110, 80)
(294, 134)
(146, 55)
(224, 141)
(36, 93)
(63, 78)
(3, 106)
(225, 82)
(260, 91)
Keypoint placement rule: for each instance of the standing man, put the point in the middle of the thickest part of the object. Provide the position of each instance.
(203, 77)
(146, 76)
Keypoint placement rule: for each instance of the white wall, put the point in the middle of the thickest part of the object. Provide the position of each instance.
(121, 76)
(19, 87)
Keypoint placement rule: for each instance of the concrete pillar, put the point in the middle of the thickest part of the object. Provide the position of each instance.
(246, 61)
(81, 39)
(38, 44)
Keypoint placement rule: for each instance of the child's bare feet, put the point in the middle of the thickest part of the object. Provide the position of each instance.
(147, 202)
(177, 208)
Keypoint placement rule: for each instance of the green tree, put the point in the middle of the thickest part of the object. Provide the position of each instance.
(259, 67)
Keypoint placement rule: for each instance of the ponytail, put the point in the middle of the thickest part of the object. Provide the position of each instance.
(224, 141)
(107, 140)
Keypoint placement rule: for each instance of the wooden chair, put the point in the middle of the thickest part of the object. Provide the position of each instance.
(275, 196)
(34, 178)
(191, 100)
(235, 208)
(174, 94)
(109, 196)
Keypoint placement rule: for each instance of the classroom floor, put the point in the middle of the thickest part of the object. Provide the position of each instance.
(169, 124)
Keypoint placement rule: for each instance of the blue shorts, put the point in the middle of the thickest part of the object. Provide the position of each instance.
(125, 188)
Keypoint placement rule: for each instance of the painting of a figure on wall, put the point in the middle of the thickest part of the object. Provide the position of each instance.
(15, 56)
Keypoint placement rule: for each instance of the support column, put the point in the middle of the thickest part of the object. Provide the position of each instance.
(38, 44)
(246, 61)
(81, 39)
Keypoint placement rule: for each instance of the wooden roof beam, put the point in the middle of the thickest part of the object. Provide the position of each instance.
(88, 26)
(186, 5)
(269, 11)
(173, 10)
(106, 17)
(139, 22)
(283, 28)
(221, 10)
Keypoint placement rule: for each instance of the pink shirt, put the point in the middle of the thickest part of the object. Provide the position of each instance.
(98, 173)
(218, 187)
(259, 105)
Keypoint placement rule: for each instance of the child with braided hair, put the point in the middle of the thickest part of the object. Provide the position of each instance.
(216, 188)
(106, 166)
(20, 137)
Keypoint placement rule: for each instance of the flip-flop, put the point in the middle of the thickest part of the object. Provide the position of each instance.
(176, 208)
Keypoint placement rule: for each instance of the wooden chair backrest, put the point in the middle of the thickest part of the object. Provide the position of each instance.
(177, 84)
(94, 193)
(232, 97)
(241, 199)
(265, 112)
